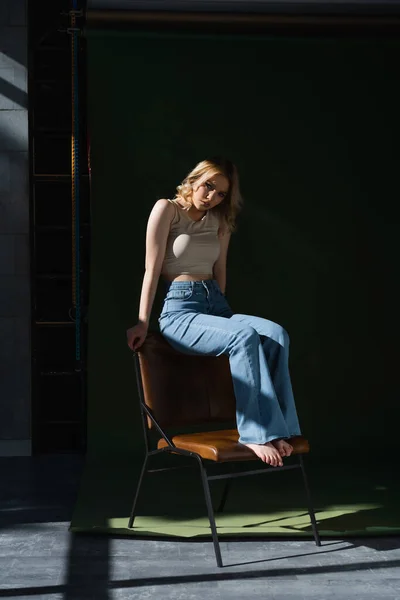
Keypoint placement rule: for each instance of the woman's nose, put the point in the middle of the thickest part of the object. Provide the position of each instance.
(210, 195)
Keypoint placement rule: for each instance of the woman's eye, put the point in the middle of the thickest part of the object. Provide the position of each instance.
(221, 195)
(208, 185)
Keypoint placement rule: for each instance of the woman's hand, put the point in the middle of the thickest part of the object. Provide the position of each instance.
(136, 335)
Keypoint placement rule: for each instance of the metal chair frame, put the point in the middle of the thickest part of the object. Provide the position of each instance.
(205, 477)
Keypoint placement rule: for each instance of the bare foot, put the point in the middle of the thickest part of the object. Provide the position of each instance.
(283, 447)
(268, 453)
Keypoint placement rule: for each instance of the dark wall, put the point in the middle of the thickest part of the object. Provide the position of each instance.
(313, 127)
(330, 7)
(15, 363)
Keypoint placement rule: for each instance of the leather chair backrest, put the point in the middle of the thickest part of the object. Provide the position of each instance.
(185, 390)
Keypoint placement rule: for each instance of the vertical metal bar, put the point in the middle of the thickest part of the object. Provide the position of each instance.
(32, 105)
(75, 188)
(78, 323)
(210, 511)
(139, 485)
(309, 502)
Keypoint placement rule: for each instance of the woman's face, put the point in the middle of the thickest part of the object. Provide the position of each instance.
(210, 193)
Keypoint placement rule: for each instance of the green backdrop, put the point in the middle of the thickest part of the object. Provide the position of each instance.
(313, 127)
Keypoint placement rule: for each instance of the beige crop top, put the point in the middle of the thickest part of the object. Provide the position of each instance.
(192, 246)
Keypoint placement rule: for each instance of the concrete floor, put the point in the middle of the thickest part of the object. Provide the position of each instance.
(40, 559)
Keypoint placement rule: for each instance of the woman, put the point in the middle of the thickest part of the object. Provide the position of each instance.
(187, 244)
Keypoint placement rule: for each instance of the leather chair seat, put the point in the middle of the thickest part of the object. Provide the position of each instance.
(223, 445)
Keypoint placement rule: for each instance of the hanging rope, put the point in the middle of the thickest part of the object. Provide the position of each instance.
(76, 295)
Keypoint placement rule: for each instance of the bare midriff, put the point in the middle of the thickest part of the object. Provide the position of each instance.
(188, 277)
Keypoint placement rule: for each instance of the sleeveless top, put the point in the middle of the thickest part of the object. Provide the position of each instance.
(192, 246)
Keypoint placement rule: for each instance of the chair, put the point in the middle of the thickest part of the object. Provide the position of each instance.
(179, 391)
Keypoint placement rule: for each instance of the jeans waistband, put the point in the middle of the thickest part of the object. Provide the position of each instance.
(190, 285)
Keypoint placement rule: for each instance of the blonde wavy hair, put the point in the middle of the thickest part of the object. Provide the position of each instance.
(229, 208)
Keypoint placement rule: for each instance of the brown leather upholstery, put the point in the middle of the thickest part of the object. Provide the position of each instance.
(183, 389)
(223, 446)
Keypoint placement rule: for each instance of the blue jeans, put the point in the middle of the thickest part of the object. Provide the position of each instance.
(196, 319)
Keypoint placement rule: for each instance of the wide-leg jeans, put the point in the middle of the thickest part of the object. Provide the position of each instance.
(197, 319)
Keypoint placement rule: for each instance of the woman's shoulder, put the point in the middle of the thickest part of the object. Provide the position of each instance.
(217, 219)
(222, 225)
(166, 207)
(164, 203)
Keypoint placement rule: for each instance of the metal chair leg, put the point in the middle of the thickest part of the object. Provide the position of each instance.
(309, 502)
(210, 511)
(139, 485)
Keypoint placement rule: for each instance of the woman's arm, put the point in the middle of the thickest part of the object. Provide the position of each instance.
(158, 228)
(219, 269)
